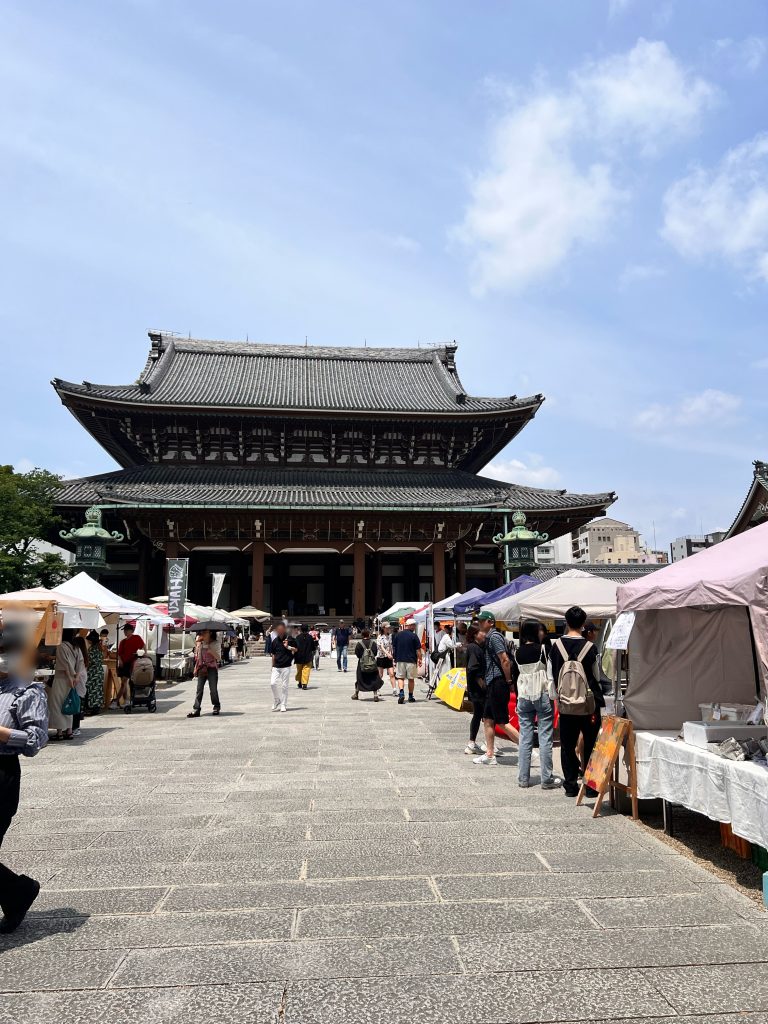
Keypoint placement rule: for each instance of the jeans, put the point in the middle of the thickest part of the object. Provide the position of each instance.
(527, 712)
(213, 685)
(341, 656)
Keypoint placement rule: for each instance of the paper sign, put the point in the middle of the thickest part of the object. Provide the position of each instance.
(325, 643)
(622, 627)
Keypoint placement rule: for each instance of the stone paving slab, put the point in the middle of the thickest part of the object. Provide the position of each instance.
(194, 871)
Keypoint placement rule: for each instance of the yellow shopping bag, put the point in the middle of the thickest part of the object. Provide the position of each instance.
(452, 687)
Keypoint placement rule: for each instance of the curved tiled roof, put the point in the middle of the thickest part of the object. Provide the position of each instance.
(227, 375)
(237, 487)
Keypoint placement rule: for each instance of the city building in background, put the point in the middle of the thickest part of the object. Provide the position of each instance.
(684, 547)
(320, 480)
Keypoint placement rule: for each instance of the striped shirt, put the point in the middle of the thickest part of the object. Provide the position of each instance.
(23, 710)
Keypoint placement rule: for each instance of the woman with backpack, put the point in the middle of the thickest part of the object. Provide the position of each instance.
(367, 679)
(529, 670)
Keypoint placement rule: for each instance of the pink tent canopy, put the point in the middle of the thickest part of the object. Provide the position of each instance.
(701, 627)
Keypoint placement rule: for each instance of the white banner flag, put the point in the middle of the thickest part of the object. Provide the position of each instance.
(216, 585)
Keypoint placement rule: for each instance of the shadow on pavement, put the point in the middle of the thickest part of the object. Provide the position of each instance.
(42, 924)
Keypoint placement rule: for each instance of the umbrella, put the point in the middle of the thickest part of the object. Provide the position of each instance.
(452, 687)
(249, 612)
(213, 624)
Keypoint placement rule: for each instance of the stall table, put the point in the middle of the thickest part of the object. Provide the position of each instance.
(733, 792)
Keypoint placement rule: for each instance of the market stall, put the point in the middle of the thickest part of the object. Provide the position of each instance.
(698, 649)
(549, 601)
(470, 602)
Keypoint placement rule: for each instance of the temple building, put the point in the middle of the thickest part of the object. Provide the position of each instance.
(323, 481)
(754, 509)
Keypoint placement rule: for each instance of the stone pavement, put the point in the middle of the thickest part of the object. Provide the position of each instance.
(346, 862)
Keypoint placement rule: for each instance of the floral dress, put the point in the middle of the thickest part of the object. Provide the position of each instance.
(95, 683)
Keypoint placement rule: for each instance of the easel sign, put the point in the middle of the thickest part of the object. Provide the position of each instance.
(615, 734)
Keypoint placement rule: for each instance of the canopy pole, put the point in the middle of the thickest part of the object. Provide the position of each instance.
(755, 660)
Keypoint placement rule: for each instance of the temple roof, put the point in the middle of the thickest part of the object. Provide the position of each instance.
(163, 486)
(752, 508)
(229, 375)
(618, 573)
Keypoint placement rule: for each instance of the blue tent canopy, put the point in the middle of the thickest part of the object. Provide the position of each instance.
(469, 597)
(508, 590)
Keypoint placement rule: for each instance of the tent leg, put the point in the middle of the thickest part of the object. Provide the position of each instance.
(669, 826)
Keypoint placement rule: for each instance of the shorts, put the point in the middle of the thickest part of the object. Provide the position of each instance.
(406, 670)
(384, 662)
(497, 702)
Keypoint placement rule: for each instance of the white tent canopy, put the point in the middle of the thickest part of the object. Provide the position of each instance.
(85, 588)
(442, 608)
(400, 606)
(550, 600)
(75, 613)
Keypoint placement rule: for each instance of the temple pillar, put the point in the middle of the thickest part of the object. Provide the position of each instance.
(461, 568)
(358, 589)
(257, 574)
(145, 553)
(378, 584)
(438, 571)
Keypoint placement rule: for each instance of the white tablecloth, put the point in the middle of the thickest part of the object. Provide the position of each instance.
(735, 792)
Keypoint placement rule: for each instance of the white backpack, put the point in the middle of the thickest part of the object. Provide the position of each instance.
(574, 694)
(532, 681)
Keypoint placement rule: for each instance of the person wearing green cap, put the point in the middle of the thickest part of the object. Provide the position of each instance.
(498, 681)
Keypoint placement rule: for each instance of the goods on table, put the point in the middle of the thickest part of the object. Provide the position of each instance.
(700, 734)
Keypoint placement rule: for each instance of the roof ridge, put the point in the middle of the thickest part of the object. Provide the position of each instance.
(395, 353)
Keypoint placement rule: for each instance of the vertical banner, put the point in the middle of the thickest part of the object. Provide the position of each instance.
(178, 573)
(216, 584)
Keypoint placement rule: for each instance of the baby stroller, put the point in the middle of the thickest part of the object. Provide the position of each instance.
(142, 684)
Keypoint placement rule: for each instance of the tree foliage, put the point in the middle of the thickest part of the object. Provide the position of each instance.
(26, 516)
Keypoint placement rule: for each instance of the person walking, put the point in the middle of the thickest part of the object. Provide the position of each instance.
(443, 654)
(498, 683)
(576, 678)
(475, 650)
(384, 657)
(206, 670)
(367, 678)
(529, 671)
(304, 652)
(95, 681)
(407, 653)
(282, 659)
(341, 639)
(23, 732)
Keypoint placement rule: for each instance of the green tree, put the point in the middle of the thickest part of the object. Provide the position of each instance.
(26, 516)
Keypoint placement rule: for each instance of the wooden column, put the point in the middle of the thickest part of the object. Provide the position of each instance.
(461, 568)
(378, 590)
(358, 589)
(438, 571)
(145, 553)
(257, 578)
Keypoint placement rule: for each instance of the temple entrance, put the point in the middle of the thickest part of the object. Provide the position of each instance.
(308, 582)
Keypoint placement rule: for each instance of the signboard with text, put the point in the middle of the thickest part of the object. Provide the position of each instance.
(178, 574)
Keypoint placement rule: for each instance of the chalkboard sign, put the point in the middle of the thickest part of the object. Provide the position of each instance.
(614, 734)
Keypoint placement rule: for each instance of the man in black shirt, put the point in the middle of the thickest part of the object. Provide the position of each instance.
(573, 726)
(304, 645)
(282, 659)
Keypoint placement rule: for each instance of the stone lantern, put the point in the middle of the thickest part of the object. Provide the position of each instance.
(91, 540)
(519, 545)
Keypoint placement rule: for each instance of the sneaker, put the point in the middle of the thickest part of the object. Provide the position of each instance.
(355, 695)
(401, 699)
(113, 706)
(411, 699)
(570, 794)
(75, 732)
(523, 783)
(283, 707)
(485, 760)
(276, 706)
(473, 748)
(554, 783)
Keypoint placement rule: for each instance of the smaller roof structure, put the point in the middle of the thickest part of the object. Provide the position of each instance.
(85, 588)
(249, 612)
(467, 604)
(76, 613)
(551, 600)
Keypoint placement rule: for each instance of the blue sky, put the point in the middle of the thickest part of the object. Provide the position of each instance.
(576, 192)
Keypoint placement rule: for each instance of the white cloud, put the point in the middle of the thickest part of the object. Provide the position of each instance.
(707, 407)
(744, 56)
(532, 473)
(404, 243)
(723, 212)
(538, 199)
(635, 272)
(760, 364)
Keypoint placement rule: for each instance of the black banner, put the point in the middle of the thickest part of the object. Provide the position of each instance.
(178, 572)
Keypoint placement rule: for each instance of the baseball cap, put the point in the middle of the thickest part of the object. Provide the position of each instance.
(486, 617)
(410, 622)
